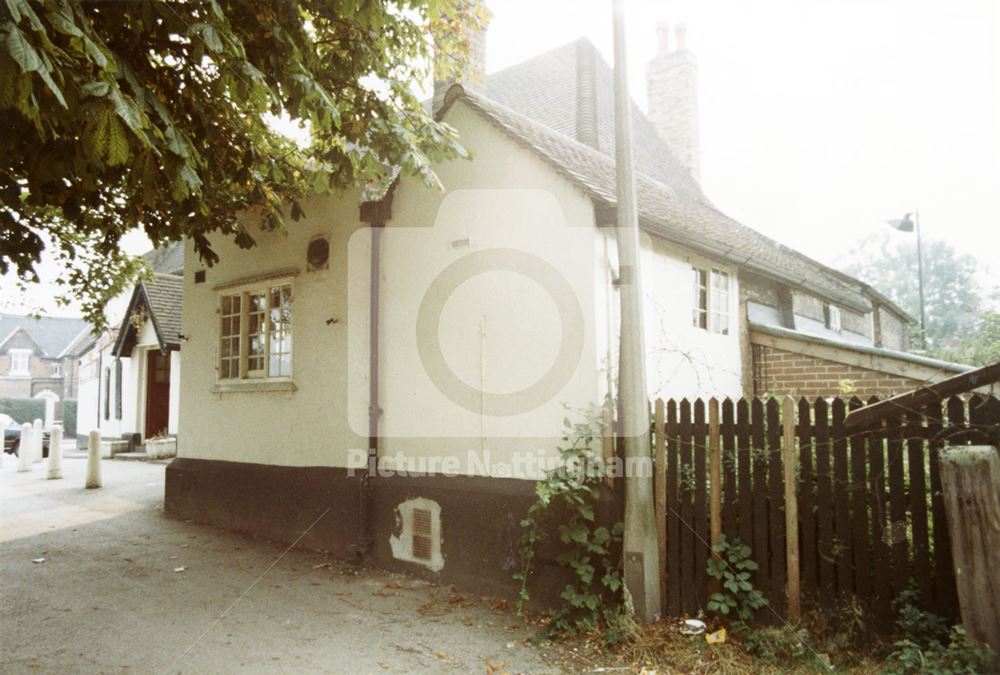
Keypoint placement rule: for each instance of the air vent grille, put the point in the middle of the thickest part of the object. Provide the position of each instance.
(422, 534)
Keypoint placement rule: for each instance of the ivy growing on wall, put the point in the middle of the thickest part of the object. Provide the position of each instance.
(570, 495)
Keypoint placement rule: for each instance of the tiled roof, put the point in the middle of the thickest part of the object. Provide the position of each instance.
(669, 212)
(164, 294)
(167, 259)
(53, 335)
(161, 296)
(547, 89)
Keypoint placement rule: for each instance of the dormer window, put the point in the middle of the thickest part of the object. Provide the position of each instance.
(833, 318)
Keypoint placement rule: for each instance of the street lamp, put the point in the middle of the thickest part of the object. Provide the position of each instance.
(913, 225)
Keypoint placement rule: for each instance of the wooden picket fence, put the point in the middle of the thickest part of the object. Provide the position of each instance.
(868, 507)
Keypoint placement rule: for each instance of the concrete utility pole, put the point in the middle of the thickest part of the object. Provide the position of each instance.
(642, 569)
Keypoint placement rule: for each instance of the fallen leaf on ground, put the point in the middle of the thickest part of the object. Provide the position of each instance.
(469, 622)
(383, 665)
(491, 667)
(321, 565)
(500, 606)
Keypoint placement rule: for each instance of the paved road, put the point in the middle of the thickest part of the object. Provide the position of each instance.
(124, 589)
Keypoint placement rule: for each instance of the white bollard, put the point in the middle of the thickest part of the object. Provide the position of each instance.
(25, 448)
(37, 437)
(55, 452)
(94, 460)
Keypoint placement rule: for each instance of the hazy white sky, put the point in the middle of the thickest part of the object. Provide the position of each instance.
(819, 118)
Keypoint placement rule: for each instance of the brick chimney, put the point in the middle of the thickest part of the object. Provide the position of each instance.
(672, 88)
(475, 67)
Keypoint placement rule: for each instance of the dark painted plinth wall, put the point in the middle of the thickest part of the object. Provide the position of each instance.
(277, 503)
(480, 518)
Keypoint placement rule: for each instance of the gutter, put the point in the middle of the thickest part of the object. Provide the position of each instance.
(375, 214)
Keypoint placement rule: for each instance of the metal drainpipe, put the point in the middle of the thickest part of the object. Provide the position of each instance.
(366, 487)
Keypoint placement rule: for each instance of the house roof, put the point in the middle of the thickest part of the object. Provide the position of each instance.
(161, 298)
(54, 336)
(167, 259)
(550, 90)
(672, 213)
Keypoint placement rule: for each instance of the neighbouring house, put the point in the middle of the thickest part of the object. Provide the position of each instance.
(130, 380)
(38, 358)
(802, 345)
(446, 332)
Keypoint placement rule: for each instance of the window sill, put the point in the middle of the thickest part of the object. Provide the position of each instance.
(254, 386)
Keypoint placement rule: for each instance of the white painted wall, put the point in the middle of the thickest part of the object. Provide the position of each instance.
(175, 393)
(682, 360)
(90, 394)
(505, 198)
(307, 427)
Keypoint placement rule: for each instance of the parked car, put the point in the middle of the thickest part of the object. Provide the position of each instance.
(12, 436)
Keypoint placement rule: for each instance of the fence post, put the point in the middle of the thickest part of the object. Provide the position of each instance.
(608, 441)
(791, 512)
(970, 481)
(714, 470)
(660, 494)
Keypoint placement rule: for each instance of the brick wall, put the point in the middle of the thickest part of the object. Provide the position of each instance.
(672, 88)
(779, 372)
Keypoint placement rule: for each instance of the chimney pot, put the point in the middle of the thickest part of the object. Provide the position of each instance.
(663, 34)
(681, 31)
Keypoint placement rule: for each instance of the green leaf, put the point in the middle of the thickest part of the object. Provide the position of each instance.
(95, 52)
(117, 146)
(98, 89)
(211, 38)
(21, 50)
(47, 79)
(13, 8)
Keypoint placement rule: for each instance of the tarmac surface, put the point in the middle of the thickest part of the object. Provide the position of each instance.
(102, 581)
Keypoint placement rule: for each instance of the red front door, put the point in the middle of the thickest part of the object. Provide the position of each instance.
(157, 393)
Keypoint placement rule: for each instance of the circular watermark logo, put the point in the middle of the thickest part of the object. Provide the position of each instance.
(473, 398)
